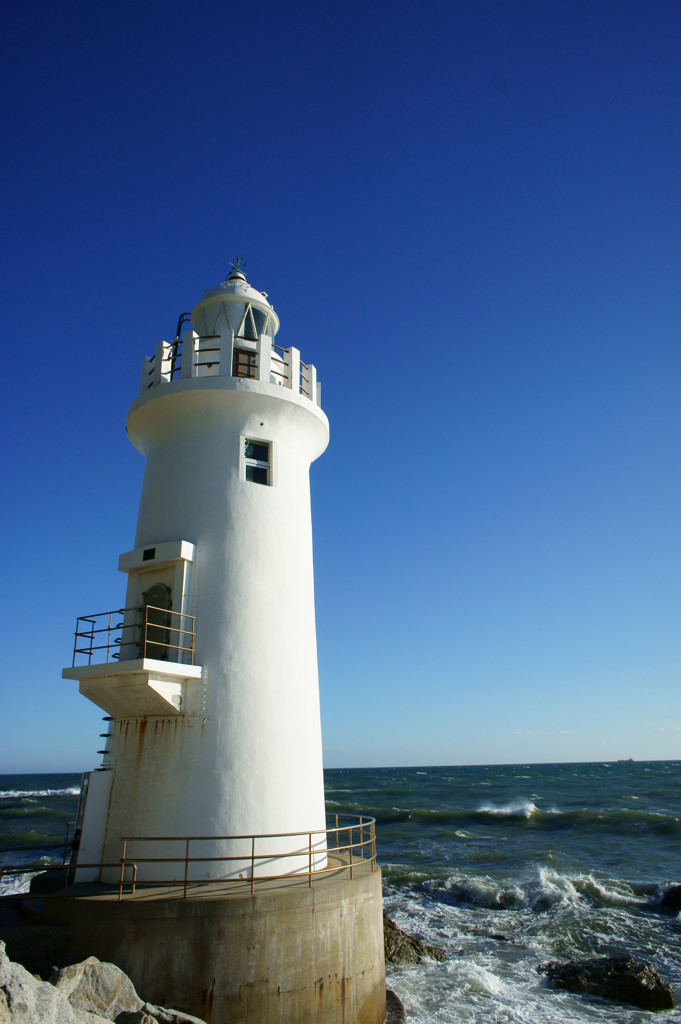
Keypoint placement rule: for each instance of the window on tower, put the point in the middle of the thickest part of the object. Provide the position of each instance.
(254, 323)
(243, 363)
(257, 461)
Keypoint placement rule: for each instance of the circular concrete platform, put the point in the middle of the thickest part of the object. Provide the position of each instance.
(291, 953)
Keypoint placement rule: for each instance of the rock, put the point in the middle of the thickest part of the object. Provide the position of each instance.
(97, 988)
(91, 992)
(150, 1014)
(671, 898)
(5, 1015)
(401, 948)
(622, 978)
(394, 1010)
(26, 1000)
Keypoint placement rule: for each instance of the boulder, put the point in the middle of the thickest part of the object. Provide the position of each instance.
(622, 978)
(97, 988)
(394, 1010)
(401, 948)
(27, 1000)
(91, 992)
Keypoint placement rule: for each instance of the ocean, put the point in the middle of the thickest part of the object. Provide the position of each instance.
(505, 867)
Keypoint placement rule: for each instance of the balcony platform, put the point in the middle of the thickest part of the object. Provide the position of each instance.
(132, 689)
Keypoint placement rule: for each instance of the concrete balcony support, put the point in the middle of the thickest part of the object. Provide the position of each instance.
(139, 687)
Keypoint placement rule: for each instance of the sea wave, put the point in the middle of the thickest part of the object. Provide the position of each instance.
(28, 809)
(482, 891)
(520, 812)
(514, 809)
(23, 794)
(31, 840)
(546, 889)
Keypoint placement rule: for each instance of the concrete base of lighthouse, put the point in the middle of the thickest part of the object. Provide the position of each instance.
(290, 953)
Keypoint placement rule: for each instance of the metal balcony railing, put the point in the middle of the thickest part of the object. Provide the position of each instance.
(140, 632)
(346, 844)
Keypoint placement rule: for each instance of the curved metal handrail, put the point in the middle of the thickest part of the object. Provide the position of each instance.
(357, 846)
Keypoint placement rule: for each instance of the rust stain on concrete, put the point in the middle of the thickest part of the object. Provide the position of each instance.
(208, 1002)
(143, 723)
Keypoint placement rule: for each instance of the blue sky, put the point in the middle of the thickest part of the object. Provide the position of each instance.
(468, 216)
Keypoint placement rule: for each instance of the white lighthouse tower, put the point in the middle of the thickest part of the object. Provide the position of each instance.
(213, 687)
(212, 769)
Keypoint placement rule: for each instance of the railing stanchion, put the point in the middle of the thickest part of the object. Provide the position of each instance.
(337, 837)
(186, 868)
(252, 865)
(134, 880)
(309, 872)
(351, 852)
(120, 883)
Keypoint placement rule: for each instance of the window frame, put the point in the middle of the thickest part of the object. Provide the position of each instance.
(249, 463)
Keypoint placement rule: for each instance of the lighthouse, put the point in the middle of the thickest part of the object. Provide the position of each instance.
(209, 802)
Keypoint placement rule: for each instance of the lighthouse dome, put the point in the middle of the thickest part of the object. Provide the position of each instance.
(235, 306)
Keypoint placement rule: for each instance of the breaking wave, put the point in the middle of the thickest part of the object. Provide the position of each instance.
(27, 794)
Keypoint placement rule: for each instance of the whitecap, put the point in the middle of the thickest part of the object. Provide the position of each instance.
(20, 794)
(514, 809)
(478, 980)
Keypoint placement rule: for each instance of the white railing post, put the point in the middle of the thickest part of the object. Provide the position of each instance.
(312, 385)
(166, 362)
(187, 368)
(226, 355)
(293, 380)
(158, 364)
(145, 379)
(264, 348)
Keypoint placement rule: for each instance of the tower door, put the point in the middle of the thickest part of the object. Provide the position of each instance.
(155, 625)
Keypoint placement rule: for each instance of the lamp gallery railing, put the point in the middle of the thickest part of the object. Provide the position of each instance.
(140, 632)
(208, 355)
(347, 844)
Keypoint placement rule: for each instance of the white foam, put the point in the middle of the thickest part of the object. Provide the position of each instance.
(23, 794)
(514, 809)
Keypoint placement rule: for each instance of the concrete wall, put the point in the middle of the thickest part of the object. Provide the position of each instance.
(286, 957)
